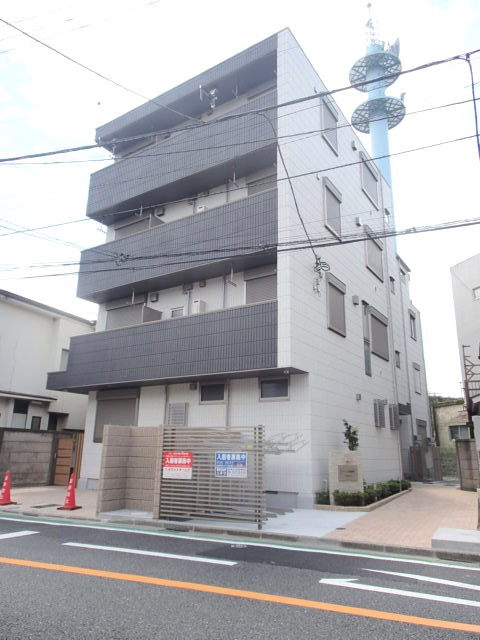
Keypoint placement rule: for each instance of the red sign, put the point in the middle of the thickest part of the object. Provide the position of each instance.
(177, 465)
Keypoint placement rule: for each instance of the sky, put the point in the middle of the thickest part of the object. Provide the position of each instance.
(47, 103)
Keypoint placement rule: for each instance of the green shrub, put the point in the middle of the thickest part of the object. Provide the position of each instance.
(369, 494)
(348, 498)
(322, 497)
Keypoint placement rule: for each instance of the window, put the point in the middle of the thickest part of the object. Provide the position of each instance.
(421, 431)
(413, 325)
(336, 305)
(115, 406)
(392, 284)
(329, 125)
(417, 380)
(260, 284)
(476, 293)
(394, 415)
(374, 250)
(369, 180)
(35, 423)
(379, 412)
(379, 335)
(176, 312)
(366, 338)
(397, 359)
(332, 202)
(20, 410)
(276, 388)
(459, 432)
(141, 222)
(212, 392)
(64, 359)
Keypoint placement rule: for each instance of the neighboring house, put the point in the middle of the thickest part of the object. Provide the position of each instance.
(466, 299)
(205, 318)
(449, 423)
(34, 339)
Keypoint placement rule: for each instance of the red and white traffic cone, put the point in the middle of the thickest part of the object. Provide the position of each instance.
(5, 493)
(70, 498)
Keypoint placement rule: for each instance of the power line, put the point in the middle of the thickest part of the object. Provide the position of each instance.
(306, 134)
(272, 182)
(317, 243)
(226, 117)
(100, 75)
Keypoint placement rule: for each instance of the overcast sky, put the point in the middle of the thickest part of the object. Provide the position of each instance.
(49, 103)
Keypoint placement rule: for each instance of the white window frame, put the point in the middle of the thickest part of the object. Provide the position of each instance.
(212, 384)
(328, 184)
(328, 106)
(417, 378)
(458, 427)
(476, 293)
(337, 284)
(273, 398)
(413, 324)
(177, 309)
(367, 165)
(378, 244)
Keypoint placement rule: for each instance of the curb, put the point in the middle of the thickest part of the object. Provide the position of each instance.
(264, 536)
(369, 507)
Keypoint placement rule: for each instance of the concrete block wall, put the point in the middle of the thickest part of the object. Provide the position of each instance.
(128, 468)
(468, 465)
(27, 455)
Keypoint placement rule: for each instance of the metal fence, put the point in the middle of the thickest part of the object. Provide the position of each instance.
(226, 478)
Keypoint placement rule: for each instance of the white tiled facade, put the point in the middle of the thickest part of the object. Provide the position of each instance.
(335, 386)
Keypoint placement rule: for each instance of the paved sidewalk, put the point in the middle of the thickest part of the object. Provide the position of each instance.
(408, 522)
(412, 519)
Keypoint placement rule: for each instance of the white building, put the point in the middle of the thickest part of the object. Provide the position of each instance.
(466, 298)
(34, 339)
(212, 313)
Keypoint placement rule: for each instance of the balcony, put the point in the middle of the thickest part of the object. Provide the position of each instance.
(232, 341)
(251, 222)
(189, 162)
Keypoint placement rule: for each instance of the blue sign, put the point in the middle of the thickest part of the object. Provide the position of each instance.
(231, 464)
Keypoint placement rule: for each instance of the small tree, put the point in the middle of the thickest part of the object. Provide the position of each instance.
(351, 436)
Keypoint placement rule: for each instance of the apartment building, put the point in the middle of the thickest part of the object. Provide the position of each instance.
(34, 339)
(250, 281)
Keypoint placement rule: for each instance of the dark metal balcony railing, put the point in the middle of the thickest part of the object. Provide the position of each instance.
(250, 223)
(231, 340)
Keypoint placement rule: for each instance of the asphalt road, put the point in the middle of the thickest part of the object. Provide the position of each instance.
(72, 581)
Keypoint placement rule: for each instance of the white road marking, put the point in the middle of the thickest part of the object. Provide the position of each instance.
(230, 541)
(16, 534)
(450, 583)
(352, 584)
(156, 554)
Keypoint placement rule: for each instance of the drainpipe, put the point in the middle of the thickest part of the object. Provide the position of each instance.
(165, 409)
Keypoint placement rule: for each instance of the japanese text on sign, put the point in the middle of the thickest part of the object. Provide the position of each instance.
(231, 464)
(177, 465)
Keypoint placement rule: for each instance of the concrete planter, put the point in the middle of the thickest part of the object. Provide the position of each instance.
(369, 507)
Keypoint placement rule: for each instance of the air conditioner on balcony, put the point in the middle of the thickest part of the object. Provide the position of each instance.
(198, 306)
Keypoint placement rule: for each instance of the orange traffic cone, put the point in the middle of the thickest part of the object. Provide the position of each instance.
(5, 492)
(70, 499)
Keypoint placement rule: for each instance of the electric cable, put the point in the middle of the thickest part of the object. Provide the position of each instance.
(315, 96)
(97, 73)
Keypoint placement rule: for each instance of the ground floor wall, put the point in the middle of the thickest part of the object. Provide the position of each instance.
(300, 432)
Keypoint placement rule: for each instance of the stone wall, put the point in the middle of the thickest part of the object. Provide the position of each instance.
(128, 468)
(27, 455)
(468, 465)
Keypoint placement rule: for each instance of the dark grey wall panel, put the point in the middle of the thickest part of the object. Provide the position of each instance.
(141, 114)
(241, 338)
(251, 222)
(140, 179)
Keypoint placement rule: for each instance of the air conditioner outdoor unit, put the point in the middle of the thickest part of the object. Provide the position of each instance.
(158, 212)
(201, 208)
(198, 306)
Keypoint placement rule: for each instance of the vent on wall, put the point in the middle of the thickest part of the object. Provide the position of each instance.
(177, 414)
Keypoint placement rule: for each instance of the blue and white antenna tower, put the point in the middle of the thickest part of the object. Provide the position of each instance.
(380, 112)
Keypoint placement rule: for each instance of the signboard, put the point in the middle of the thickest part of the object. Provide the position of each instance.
(347, 473)
(177, 465)
(230, 464)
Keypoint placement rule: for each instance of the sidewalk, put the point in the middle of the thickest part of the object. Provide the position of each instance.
(407, 524)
